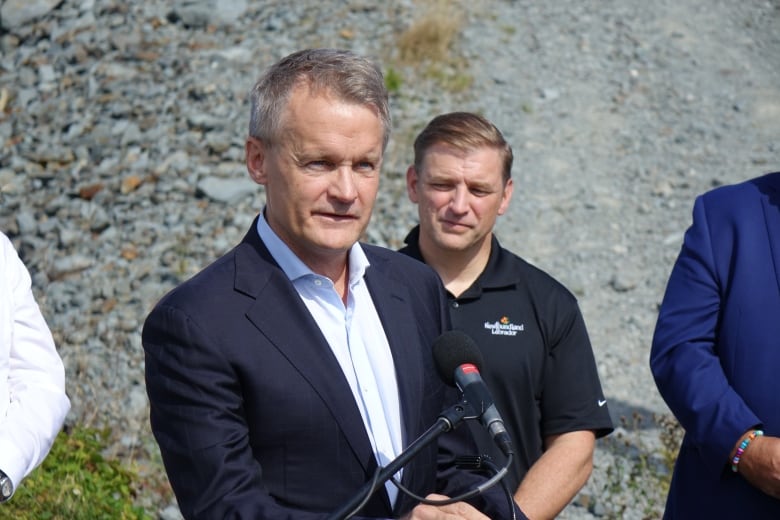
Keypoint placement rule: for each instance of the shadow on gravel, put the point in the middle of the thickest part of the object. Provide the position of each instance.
(633, 417)
(634, 469)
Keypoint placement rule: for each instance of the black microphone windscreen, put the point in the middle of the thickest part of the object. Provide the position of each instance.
(453, 349)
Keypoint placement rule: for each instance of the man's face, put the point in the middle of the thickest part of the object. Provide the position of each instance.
(459, 196)
(322, 175)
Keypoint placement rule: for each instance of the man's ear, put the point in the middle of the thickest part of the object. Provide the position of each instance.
(412, 182)
(255, 159)
(506, 196)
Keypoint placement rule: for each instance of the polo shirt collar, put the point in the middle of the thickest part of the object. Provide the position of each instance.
(498, 272)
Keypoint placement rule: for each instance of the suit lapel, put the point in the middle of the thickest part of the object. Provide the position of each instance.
(393, 303)
(771, 207)
(281, 316)
(391, 300)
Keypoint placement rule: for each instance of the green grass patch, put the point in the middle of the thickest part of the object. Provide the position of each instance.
(76, 481)
(393, 80)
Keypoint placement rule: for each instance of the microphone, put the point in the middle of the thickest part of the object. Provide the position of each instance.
(458, 360)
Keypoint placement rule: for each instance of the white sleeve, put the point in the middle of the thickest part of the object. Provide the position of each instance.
(33, 403)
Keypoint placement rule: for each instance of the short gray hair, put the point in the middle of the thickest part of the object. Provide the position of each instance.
(349, 77)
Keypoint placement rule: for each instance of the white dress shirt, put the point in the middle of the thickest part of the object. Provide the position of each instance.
(357, 339)
(33, 403)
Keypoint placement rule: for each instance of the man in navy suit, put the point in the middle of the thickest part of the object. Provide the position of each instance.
(716, 355)
(282, 375)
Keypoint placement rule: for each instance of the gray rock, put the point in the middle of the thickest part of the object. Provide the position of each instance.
(200, 13)
(218, 141)
(16, 13)
(68, 237)
(26, 223)
(205, 121)
(625, 280)
(46, 75)
(228, 191)
(171, 512)
(8, 182)
(619, 113)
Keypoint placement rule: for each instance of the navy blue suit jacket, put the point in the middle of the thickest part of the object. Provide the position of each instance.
(716, 348)
(250, 408)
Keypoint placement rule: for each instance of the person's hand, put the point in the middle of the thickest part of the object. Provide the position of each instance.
(760, 464)
(456, 511)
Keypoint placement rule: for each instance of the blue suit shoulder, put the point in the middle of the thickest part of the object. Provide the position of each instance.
(737, 205)
(730, 195)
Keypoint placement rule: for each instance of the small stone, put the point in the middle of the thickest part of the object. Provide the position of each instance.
(69, 265)
(89, 191)
(130, 184)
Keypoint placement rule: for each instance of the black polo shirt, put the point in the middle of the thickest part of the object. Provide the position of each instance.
(539, 364)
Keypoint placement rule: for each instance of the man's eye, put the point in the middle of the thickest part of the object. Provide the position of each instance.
(364, 166)
(318, 165)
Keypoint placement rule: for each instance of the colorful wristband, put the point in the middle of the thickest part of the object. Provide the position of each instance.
(742, 447)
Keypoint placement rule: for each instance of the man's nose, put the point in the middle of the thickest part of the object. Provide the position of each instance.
(344, 186)
(459, 202)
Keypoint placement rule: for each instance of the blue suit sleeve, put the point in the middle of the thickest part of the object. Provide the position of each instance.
(684, 355)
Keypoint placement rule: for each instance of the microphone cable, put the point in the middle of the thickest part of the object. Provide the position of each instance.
(369, 493)
(487, 461)
(475, 462)
(472, 462)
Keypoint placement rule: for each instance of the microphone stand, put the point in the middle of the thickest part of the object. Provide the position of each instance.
(447, 421)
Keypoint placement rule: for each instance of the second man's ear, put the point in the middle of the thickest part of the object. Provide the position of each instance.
(255, 151)
(412, 181)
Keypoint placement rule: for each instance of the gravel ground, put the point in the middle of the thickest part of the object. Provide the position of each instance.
(122, 127)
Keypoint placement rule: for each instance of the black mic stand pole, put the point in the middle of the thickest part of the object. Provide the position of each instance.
(447, 421)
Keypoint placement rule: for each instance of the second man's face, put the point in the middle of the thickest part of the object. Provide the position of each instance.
(459, 196)
(322, 176)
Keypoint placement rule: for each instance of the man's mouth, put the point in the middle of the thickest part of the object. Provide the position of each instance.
(337, 217)
(455, 224)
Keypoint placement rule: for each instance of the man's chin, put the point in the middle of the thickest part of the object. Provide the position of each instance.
(453, 243)
(337, 240)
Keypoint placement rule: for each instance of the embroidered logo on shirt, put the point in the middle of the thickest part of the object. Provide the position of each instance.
(504, 327)
(602, 402)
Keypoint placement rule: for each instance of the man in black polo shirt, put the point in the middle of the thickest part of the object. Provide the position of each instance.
(539, 364)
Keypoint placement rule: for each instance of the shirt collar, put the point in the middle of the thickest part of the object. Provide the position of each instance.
(293, 267)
